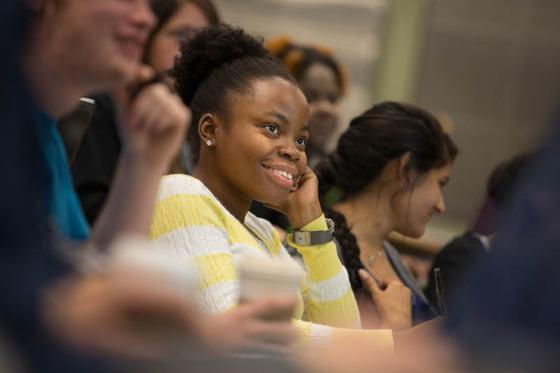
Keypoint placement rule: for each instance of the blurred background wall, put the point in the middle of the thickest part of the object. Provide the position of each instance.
(491, 68)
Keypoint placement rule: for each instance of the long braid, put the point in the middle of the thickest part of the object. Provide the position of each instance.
(350, 252)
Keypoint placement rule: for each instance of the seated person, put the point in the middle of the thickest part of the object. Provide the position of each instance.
(386, 174)
(459, 256)
(95, 163)
(250, 137)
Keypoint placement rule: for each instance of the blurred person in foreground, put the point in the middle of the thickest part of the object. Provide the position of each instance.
(96, 159)
(73, 47)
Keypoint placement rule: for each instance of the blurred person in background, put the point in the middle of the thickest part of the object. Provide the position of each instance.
(505, 314)
(387, 173)
(95, 162)
(460, 256)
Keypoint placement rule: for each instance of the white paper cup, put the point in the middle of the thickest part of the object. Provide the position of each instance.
(262, 277)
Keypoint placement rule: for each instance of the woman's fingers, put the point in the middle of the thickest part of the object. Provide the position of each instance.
(369, 281)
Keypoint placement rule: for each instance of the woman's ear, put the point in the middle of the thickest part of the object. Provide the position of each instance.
(208, 128)
(407, 174)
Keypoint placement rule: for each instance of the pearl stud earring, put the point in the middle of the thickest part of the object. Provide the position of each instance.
(208, 142)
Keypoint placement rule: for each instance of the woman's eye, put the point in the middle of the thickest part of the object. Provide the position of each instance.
(302, 141)
(272, 128)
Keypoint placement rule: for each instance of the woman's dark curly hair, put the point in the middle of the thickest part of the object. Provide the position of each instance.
(384, 133)
(215, 63)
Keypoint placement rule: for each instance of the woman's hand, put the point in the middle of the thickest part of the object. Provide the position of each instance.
(154, 123)
(132, 315)
(393, 302)
(302, 205)
(117, 314)
(249, 325)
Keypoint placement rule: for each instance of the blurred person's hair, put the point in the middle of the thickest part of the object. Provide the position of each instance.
(385, 132)
(215, 64)
(298, 58)
(506, 177)
(164, 10)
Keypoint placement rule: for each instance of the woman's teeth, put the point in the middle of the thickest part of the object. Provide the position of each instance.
(282, 173)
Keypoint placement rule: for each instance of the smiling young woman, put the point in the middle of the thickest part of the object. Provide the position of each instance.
(249, 143)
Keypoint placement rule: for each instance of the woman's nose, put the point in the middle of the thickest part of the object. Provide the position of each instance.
(440, 205)
(290, 152)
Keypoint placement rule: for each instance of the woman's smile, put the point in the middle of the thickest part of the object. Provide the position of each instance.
(283, 176)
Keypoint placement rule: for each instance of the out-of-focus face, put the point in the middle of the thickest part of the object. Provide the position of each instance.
(415, 206)
(261, 151)
(181, 26)
(320, 86)
(98, 42)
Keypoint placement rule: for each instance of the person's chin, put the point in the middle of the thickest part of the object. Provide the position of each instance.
(414, 232)
(419, 232)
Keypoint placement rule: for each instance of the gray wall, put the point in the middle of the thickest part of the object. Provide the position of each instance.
(494, 67)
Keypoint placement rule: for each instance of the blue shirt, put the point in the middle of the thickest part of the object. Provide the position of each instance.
(62, 202)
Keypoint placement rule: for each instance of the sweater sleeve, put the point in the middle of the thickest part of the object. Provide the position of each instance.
(328, 296)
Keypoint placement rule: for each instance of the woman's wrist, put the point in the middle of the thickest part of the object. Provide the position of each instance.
(305, 215)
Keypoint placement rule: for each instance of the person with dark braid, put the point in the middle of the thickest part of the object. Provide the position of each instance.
(386, 174)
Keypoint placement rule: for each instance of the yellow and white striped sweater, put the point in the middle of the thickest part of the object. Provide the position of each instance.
(191, 223)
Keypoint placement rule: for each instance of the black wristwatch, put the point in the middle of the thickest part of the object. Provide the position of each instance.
(315, 237)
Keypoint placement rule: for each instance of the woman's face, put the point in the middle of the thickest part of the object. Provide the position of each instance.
(165, 44)
(99, 43)
(320, 86)
(259, 149)
(415, 206)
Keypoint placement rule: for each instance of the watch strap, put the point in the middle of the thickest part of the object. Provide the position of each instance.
(311, 238)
